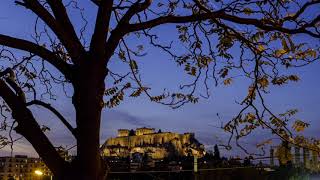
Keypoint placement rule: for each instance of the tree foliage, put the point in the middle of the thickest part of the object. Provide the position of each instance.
(284, 154)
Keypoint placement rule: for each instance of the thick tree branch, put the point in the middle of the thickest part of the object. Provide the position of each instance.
(62, 18)
(302, 9)
(99, 37)
(114, 40)
(54, 111)
(38, 50)
(123, 25)
(134, 9)
(96, 2)
(262, 24)
(30, 129)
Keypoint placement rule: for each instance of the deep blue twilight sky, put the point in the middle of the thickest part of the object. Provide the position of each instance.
(159, 72)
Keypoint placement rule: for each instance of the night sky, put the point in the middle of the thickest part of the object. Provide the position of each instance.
(159, 72)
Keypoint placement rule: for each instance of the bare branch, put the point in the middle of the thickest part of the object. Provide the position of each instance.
(54, 111)
(73, 46)
(260, 23)
(122, 27)
(40, 51)
(134, 9)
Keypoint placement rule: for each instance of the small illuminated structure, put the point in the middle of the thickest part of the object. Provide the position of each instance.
(123, 132)
(144, 131)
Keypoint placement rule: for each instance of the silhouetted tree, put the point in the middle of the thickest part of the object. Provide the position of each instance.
(132, 132)
(263, 32)
(145, 159)
(209, 155)
(159, 131)
(216, 153)
(246, 161)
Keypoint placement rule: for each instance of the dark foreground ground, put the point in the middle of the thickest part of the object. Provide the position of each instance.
(227, 174)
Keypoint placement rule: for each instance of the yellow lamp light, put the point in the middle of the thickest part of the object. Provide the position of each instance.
(38, 172)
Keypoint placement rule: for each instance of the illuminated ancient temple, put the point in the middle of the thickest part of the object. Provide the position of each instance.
(157, 145)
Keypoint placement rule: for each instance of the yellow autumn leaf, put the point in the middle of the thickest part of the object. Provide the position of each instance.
(290, 15)
(264, 82)
(261, 48)
(227, 81)
(293, 78)
(133, 65)
(284, 155)
(269, 141)
(247, 11)
(284, 45)
(280, 52)
(312, 53)
(299, 125)
(250, 117)
(251, 93)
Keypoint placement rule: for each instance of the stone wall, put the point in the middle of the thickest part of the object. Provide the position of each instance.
(157, 138)
(143, 131)
(123, 132)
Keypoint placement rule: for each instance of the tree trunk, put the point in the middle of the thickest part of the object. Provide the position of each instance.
(88, 101)
(30, 129)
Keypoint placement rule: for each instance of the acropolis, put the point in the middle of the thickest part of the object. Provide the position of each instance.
(157, 145)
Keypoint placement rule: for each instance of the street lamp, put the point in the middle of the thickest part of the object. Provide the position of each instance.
(38, 173)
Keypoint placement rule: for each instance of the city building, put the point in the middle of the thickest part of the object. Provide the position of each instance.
(22, 168)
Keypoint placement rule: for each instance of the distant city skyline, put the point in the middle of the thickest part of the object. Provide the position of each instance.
(159, 72)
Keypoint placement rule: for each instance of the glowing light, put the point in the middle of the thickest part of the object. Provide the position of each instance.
(38, 172)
